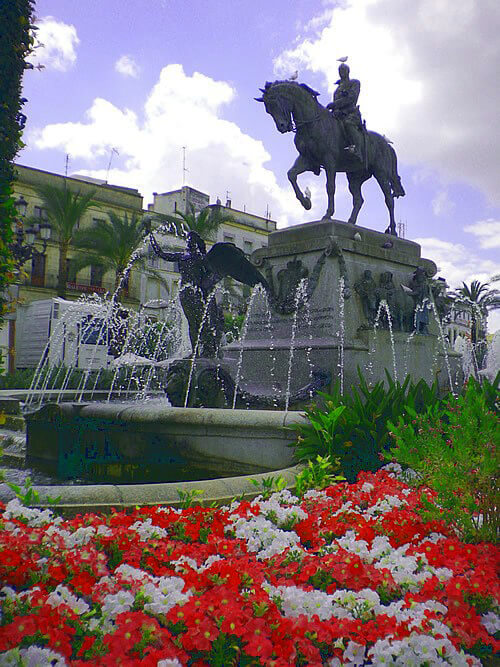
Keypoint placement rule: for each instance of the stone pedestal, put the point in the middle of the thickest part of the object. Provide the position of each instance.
(332, 331)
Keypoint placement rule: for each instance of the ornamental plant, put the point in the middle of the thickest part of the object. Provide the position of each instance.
(353, 427)
(349, 575)
(456, 455)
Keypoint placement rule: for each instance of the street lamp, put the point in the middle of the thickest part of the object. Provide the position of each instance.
(23, 247)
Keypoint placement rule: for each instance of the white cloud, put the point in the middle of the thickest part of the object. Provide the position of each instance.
(442, 205)
(127, 66)
(181, 110)
(457, 263)
(57, 42)
(427, 69)
(488, 232)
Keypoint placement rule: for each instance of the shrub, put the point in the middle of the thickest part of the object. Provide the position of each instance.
(456, 454)
(353, 427)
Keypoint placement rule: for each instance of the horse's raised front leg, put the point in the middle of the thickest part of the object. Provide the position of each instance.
(385, 186)
(299, 167)
(355, 180)
(330, 191)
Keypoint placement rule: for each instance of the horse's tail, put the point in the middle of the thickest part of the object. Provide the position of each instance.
(396, 186)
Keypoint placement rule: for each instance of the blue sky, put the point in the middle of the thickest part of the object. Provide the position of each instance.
(147, 77)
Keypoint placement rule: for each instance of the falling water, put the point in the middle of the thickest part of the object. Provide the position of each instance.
(383, 306)
(443, 342)
(341, 331)
(272, 351)
(198, 339)
(300, 296)
(255, 290)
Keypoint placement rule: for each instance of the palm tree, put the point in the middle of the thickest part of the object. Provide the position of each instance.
(112, 245)
(64, 212)
(480, 300)
(205, 223)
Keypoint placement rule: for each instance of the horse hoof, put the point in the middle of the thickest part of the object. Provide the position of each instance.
(326, 217)
(307, 203)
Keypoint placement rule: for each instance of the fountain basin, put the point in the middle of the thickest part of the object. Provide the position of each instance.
(140, 442)
(120, 497)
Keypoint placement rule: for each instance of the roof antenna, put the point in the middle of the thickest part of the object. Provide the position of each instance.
(66, 170)
(184, 170)
(113, 150)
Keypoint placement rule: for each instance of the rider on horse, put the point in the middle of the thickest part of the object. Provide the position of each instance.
(345, 109)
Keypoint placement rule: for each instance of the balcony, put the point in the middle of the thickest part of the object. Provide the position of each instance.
(81, 285)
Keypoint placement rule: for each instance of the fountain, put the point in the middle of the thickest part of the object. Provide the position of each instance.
(329, 300)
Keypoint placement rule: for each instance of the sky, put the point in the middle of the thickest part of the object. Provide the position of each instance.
(149, 77)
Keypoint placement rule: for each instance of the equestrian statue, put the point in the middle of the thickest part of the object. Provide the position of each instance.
(335, 139)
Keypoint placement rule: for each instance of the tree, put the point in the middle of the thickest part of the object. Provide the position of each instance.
(64, 212)
(479, 300)
(16, 43)
(205, 223)
(112, 244)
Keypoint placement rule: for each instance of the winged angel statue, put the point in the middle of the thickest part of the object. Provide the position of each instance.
(200, 272)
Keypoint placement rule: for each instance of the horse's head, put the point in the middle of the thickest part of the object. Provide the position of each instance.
(278, 106)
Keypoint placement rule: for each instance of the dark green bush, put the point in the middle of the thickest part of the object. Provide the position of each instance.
(353, 427)
(455, 453)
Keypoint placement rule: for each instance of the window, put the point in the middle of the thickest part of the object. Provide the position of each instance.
(38, 271)
(97, 220)
(96, 273)
(40, 213)
(228, 238)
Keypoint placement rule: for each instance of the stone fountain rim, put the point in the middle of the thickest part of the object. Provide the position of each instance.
(105, 497)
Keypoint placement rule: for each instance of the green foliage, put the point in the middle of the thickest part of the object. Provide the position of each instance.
(205, 223)
(232, 325)
(154, 341)
(64, 212)
(489, 390)
(318, 475)
(16, 42)
(26, 494)
(353, 427)
(55, 377)
(110, 244)
(188, 498)
(455, 453)
(269, 485)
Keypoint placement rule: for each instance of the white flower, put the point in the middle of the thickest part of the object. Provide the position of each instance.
(33, 517)
(32, 657)
(491, 622)
(354, 654)
(147, 530)
(367, 487)
(62, 595)
(114, 604)
(132, 573)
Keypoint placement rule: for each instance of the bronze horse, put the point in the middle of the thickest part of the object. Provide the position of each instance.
(320, 141)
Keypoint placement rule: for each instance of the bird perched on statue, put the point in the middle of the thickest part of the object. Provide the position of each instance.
(357, 236)
(387, 245)
(294, 76)
(343, 59)
(307, 192)
(387, 139)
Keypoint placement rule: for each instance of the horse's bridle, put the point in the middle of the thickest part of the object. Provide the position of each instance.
(294, 125)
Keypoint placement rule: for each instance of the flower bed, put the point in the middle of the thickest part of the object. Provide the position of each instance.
(349, 575)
